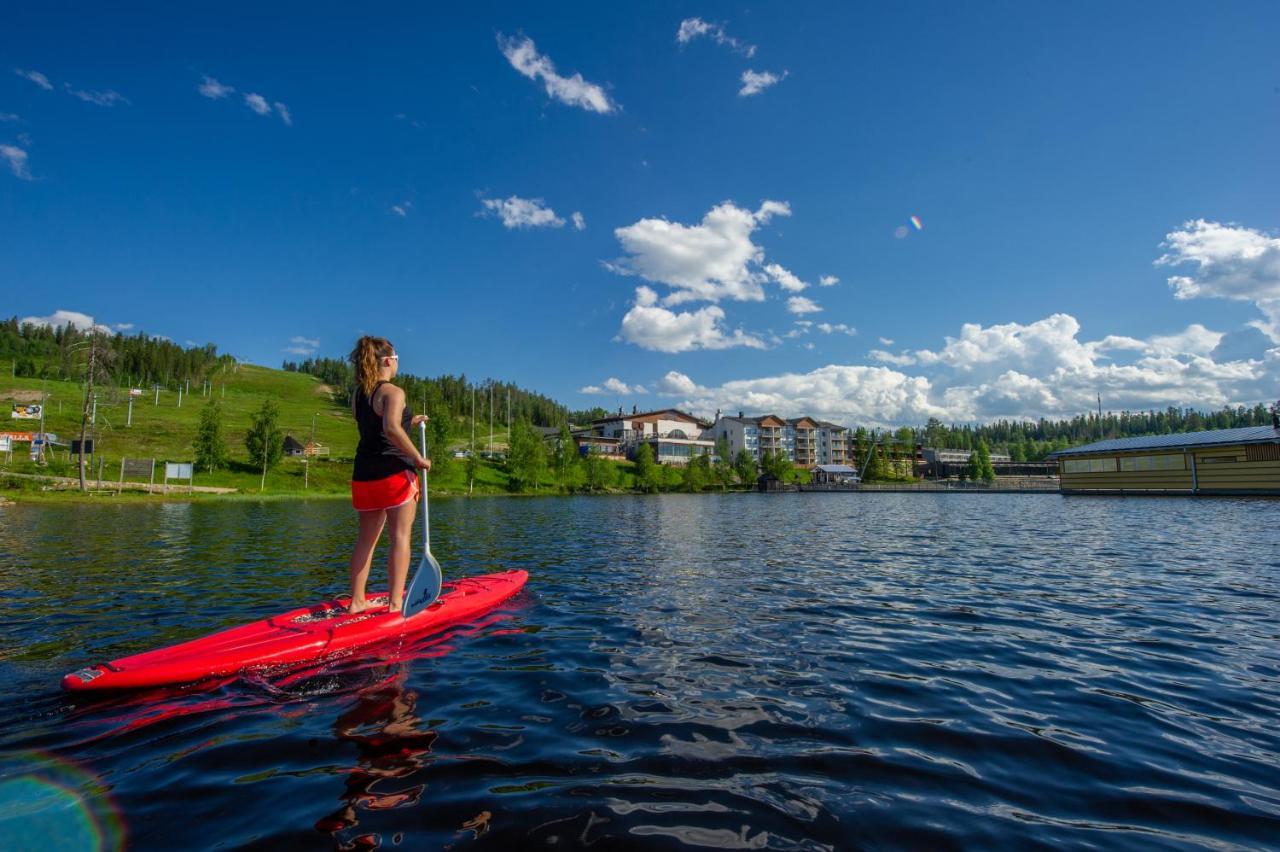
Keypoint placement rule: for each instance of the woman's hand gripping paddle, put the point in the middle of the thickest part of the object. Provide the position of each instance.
(425, 586)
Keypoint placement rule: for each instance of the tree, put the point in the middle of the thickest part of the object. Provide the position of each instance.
(648, 477)
(599, 472)
(526, 456)
(439, 431)
(974, 468)
(779, 465)
(265, 440)
(565, 456)
(473, 468)
(724, 464)
(210, 446)
(985, 469)
(874, 468)
(697, 473)
(745, 467)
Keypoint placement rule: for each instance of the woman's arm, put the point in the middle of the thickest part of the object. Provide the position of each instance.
(392, 410)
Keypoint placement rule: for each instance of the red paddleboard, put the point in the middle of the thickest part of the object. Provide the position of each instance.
(301, 636)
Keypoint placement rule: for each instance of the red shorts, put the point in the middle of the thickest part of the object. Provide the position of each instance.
(388, 493)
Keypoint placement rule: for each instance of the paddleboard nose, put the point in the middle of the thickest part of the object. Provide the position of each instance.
(81, 679)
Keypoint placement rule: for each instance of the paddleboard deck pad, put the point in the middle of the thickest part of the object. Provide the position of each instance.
(300, 636)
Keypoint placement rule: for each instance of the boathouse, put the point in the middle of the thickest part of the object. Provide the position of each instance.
(1215, 462)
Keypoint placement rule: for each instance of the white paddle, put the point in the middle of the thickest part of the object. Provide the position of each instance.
(425, 586)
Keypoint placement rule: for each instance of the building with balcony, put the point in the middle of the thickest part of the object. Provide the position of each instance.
(674, 436)
(806, 441)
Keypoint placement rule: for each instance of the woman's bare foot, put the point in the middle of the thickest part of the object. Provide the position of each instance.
(357, 607)
(395, 606)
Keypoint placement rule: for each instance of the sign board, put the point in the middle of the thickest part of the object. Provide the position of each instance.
(6, 444)
(18, 437)
(75, 446)
(137, 467)
(176, 470)
(135, 391)
(26, 411)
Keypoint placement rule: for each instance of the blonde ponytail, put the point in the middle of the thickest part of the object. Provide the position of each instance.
(365, 357)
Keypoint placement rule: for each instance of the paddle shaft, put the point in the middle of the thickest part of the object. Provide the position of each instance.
(426, 509)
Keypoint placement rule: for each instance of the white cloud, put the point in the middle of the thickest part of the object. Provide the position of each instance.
(10, 116)
(677, 384)
(257, 103)
(691, 28)
(299, 345)
(285, 115)
(122, 326)
(61, 319)
(615, 387)
(1231, 262)
(402, 209)
(107, 98)
(574, 91)
(784, 278)
(579, 223)
(802, 305)
(713, 260)
(755, 82)
(35, 77)
(828, 281)
(886, 341)
(211, 88)
(17, 160)
(902, 360)
(517, 212)
(836, 328)
(655, 328)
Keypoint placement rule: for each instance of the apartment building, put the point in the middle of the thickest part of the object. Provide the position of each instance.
(806, 441)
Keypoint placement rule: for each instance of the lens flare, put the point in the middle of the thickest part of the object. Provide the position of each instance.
(915, 220)
(49, 803)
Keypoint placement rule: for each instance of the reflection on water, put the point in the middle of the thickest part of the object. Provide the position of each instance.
(745, 671)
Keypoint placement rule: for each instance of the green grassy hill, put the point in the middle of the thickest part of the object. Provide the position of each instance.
(165, 431)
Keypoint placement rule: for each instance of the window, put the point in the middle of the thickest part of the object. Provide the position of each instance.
(1168, 461)
(1216, 459)
(1102, 465)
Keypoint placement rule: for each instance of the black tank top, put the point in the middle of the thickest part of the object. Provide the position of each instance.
(376, 456)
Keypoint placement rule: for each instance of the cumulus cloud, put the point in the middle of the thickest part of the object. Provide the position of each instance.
(579, 223)
(17, 161)
(886, 341)
(656, 328)
(836, 328)
(107, 98)
(1017, 384)
(517, 212)
(677, 384)
(784, 279)
(713, 260)
(35, 77)
(574, 91)
(1230, 262)
(614, 387)
(211, 88)
(299, 345)
(62, 319)
(828, 281)
(10, 116)
(402, 209)
(802, 305)
(285, 115)
(755, 82)
(257, 103)
(692, 28)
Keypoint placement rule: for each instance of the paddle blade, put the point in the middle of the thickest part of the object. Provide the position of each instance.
(424, 588)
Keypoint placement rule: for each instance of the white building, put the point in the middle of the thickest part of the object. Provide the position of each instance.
(674, 435)
(806, 441)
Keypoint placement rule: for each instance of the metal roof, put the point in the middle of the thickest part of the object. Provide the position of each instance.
(835, 468)
(1209, 438)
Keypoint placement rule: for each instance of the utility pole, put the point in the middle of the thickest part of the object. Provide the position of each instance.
(1099, 417)
(84, 411)
(489, 446)
(471, 462)
(508, 417)
(129, 421)
(179, 396)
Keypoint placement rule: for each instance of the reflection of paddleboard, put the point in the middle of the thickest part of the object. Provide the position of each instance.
(301, 636)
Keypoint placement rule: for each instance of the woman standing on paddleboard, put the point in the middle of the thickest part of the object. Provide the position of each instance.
(384, 484)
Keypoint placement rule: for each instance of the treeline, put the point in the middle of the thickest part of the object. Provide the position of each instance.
(499, 400)
(45, 352)
(1033, 440)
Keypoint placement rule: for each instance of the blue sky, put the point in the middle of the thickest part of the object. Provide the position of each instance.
(415, 173)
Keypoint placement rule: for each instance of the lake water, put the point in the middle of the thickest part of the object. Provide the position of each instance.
(797, 671)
